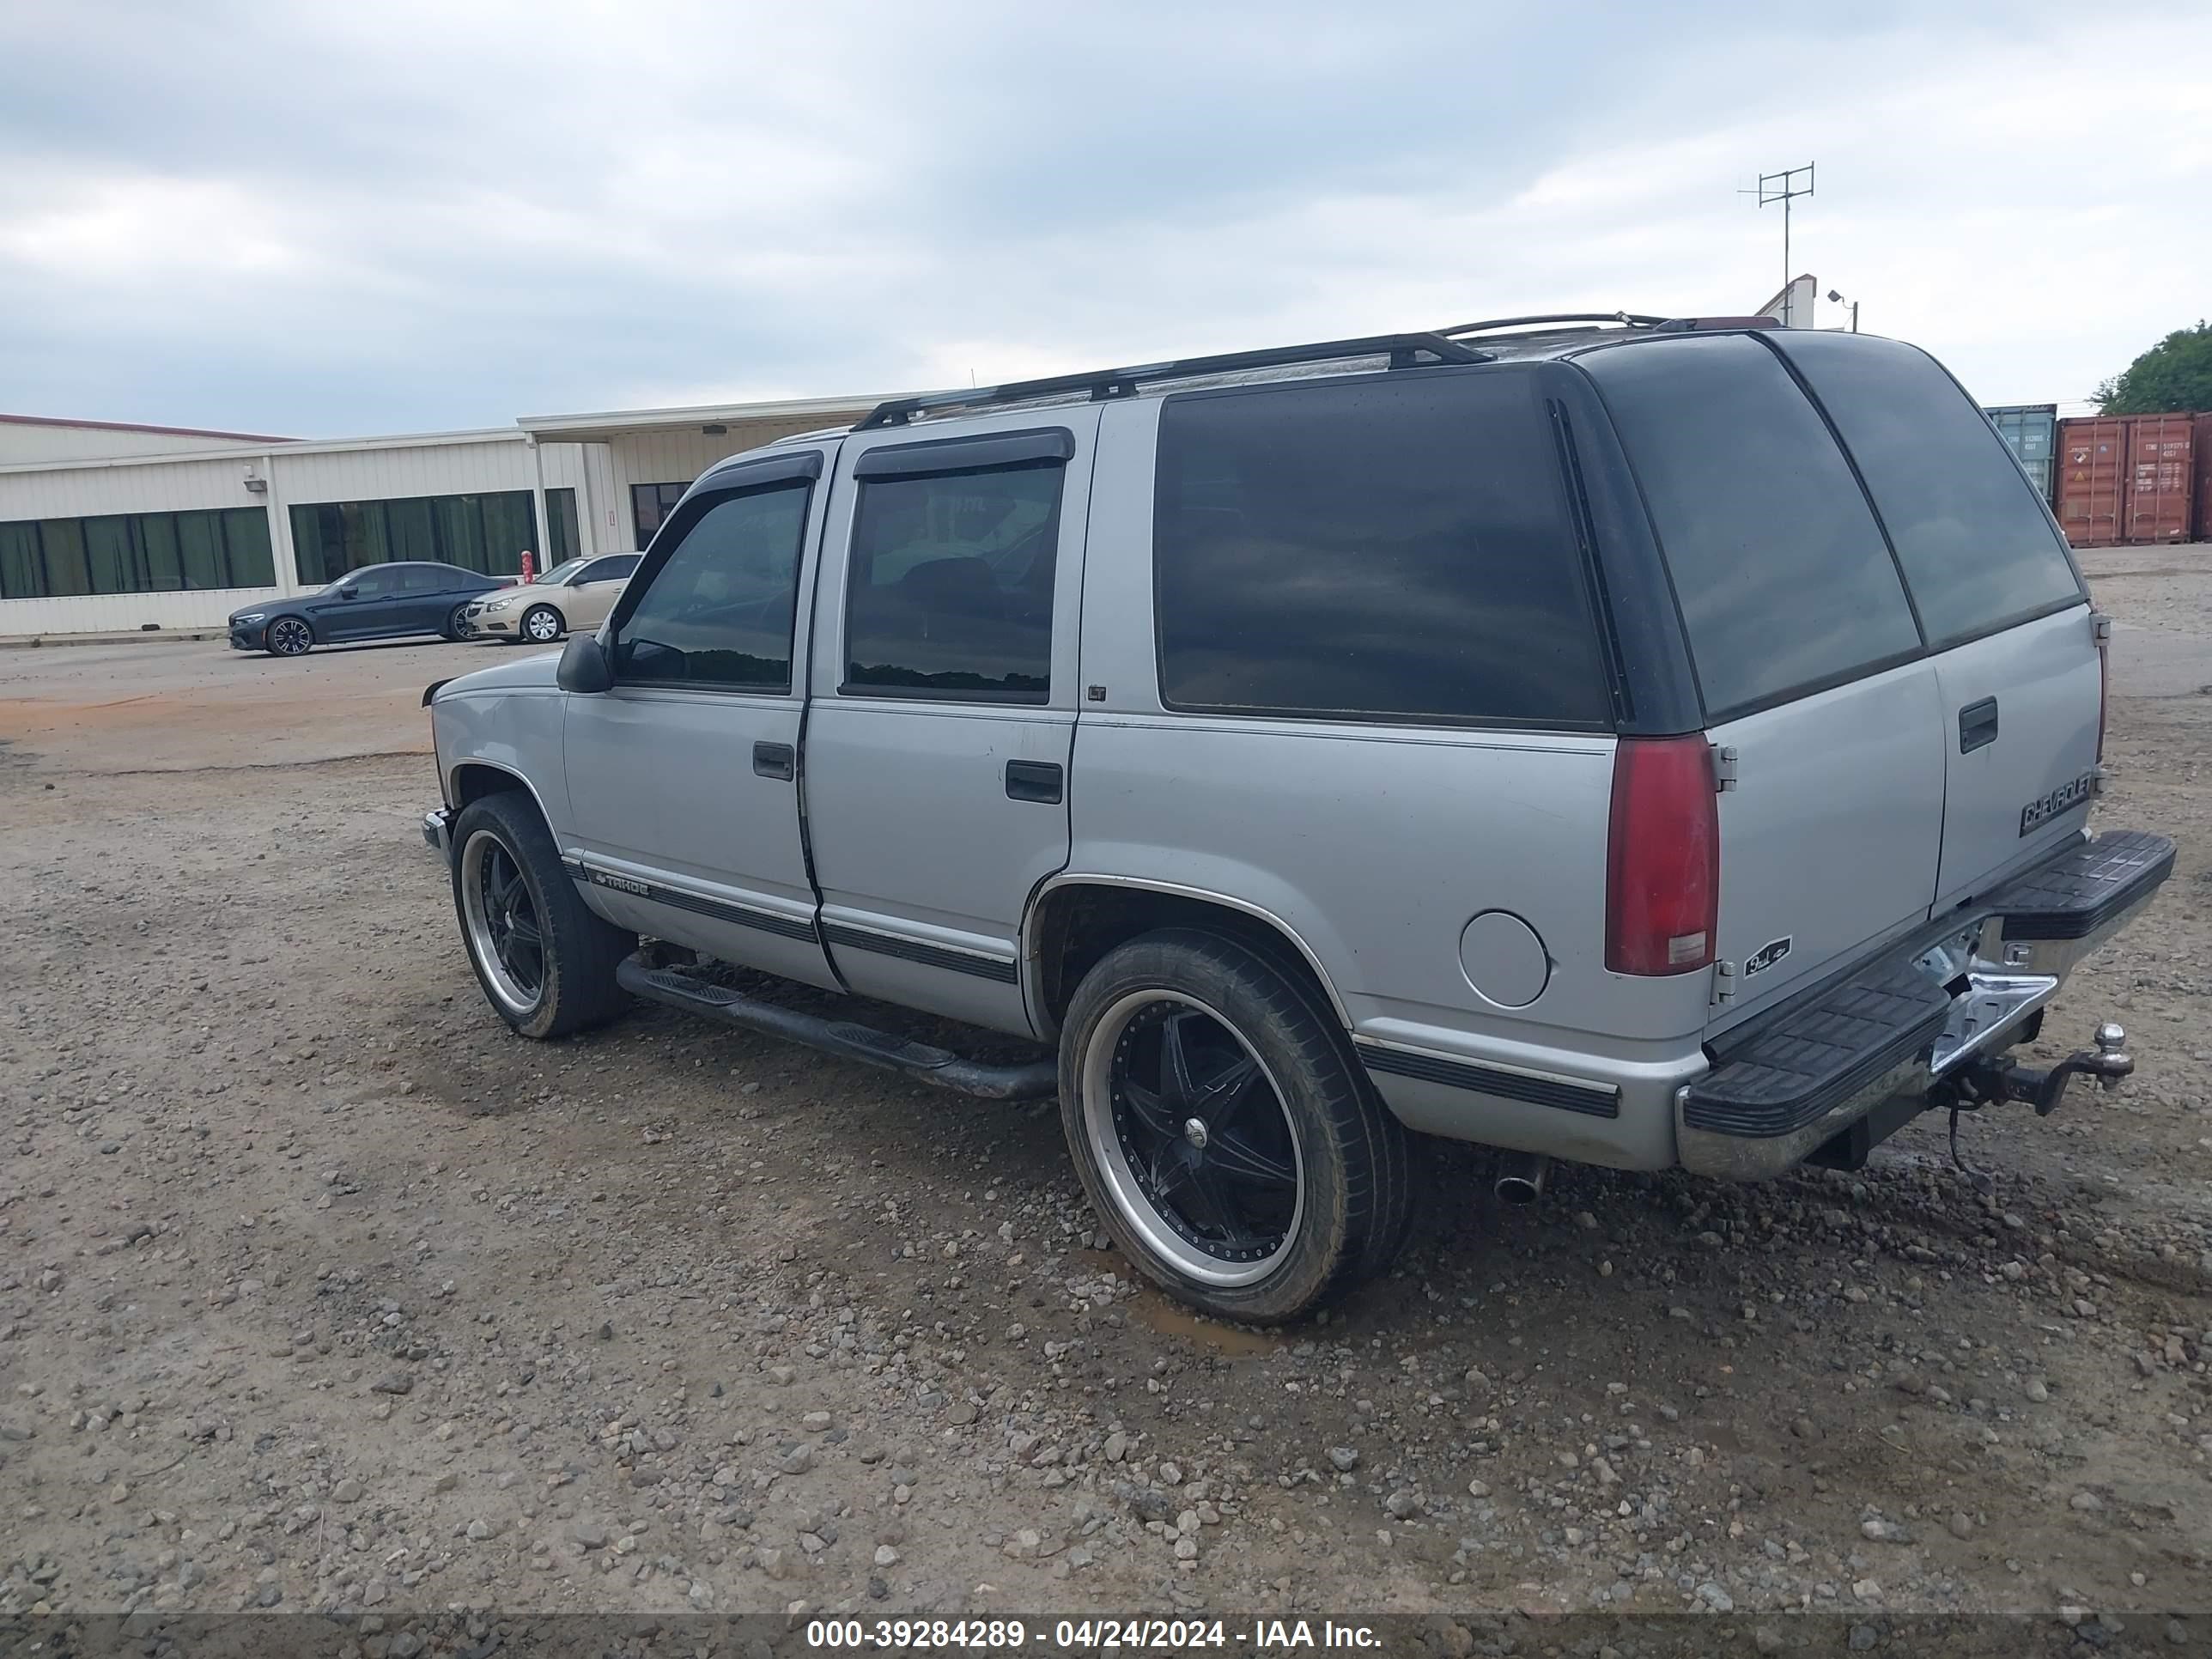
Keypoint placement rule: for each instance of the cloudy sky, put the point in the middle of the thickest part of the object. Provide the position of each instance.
(327, 219)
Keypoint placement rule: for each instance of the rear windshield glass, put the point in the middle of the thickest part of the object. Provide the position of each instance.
(1783, 579)
(1372, 550)
(1975, 546)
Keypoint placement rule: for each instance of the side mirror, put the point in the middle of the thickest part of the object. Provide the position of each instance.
(349, 591)
(584, 664)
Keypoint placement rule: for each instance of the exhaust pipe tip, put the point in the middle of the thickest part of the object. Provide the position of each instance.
(1520, 1177)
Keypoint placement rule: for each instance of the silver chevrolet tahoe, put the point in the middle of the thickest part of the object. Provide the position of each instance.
(1643, 741)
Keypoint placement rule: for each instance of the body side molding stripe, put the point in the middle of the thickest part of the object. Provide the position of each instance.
(768, 922)
(1587, 1098)
(995, 969)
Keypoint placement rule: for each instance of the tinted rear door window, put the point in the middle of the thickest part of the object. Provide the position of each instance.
(1976, 545)
(951, 586)
(1393, 548)
(1784, 582)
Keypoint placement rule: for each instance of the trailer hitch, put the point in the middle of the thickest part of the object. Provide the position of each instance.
(1994, 1079)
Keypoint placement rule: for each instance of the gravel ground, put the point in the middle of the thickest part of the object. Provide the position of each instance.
(319, 1291)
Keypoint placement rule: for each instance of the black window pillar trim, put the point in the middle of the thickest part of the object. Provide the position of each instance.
(1641, 613)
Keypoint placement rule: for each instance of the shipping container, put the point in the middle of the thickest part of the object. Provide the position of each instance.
(2093, 472)
(2031, 432)
(2127, 478)
(2161, 477)
(2204, 478)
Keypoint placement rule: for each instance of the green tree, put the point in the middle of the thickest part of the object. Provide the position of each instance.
(2175, 375)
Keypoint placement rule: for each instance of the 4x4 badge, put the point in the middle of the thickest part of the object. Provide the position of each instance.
(1766, 955)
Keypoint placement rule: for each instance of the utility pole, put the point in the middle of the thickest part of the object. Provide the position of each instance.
(1784, 187)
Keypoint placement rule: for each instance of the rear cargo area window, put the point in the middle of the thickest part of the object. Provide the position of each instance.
(1785, 582)
(1977, 548)
(1396, 549)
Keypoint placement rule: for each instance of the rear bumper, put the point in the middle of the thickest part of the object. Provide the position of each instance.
(1808, 1069)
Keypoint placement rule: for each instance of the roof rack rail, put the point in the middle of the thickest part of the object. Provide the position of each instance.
(1402, 349)
(1634, 319)
(1692, 324)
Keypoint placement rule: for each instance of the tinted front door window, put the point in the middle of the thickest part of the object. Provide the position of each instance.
(950, 593)
(718, 610)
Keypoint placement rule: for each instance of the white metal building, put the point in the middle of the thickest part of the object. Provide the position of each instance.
(107, 527)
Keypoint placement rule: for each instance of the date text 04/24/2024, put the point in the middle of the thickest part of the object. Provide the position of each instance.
(1089, 1635)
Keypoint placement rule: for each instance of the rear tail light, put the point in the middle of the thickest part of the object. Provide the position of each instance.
(1663, 859)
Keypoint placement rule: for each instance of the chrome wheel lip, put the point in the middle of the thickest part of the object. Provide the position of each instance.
(1123, 1189)
(289, 637)
(543, 625)
(476, 918)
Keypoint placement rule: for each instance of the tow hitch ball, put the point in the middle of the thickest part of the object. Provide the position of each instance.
(1995, 1080)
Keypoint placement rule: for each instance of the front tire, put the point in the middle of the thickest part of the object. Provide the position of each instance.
(1224, 1130)
(545, 960)
(288, 637)
(541, 624)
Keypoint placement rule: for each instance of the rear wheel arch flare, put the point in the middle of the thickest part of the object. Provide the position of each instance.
(1072, 924)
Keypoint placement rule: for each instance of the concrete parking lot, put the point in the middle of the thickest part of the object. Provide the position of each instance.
(320, 1290)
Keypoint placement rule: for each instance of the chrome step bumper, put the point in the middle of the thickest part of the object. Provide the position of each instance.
(1808, 1069)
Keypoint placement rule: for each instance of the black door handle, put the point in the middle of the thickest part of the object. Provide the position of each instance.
(775, 760)
(1037, 780)
(1977, 724)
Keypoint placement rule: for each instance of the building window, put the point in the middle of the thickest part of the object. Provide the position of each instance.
(485, 533)
(136, 553)
(650, 505)
(563, 541)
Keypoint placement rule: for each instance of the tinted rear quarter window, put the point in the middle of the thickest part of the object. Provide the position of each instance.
(1378, 549)
(1784, 582)
(1977, 547)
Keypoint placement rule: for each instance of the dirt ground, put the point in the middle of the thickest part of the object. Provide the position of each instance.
(320, 1291)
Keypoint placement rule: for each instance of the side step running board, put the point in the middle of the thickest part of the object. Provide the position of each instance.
(1038, 1079)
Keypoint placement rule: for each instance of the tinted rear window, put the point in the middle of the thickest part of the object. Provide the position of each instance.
(1975, 545)
(1783, 579)
(1391, 549)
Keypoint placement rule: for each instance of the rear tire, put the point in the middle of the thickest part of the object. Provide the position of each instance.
(545, 960)
(1224, 1130)
(451, 630)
